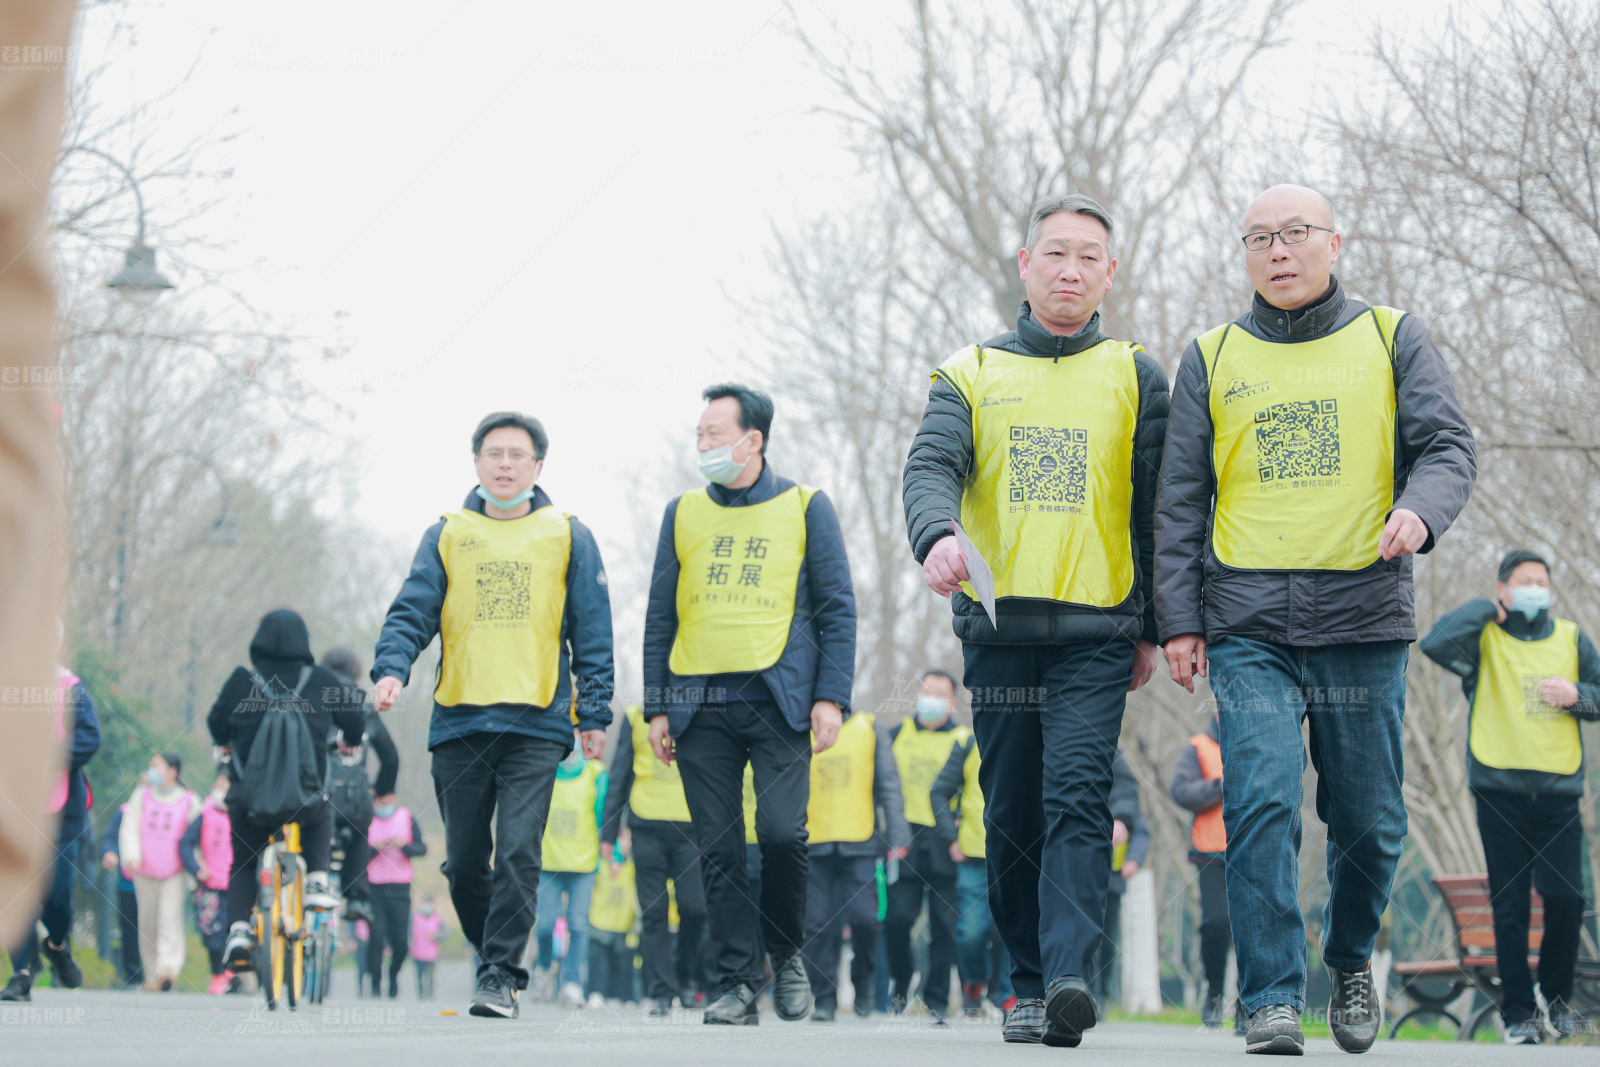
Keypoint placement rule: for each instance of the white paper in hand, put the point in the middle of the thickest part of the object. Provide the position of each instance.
(979, 576)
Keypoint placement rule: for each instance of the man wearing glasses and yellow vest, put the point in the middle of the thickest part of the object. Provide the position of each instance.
(1044, 445)
(1529, 677)
(661, 841)
(1328, 436)
(749, 654)
(517, 594)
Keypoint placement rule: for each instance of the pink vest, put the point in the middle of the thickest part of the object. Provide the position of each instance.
(159, 833)
(58, 794)
(391, 866)
(216, 845)
(425, 936)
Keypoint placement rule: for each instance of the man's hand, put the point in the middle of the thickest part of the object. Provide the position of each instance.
(944, 570)
(1186, 659)
(109, 861)
(956, 853)
(386, 692)
(1144, 664)
(625, 841)
(1499, 610)
(201, 872)
(661, 739)
(1405, 533)
(1129, 869)
(825, 720)
(1558, 692)
(594, 743)
(1119, 832)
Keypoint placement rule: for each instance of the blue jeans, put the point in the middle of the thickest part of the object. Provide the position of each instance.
(578, 888)
(1354, 697)
(983, 956)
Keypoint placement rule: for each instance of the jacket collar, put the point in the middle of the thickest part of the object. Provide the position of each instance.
(1301, 324)
(1522, 628)
(1035, 340)
(474, 502)
(762, 490)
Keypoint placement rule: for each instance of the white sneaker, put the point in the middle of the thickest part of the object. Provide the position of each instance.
(571, 995)
(319, 893)
(596, 1001)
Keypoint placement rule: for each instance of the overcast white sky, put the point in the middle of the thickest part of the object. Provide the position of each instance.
(537, 206)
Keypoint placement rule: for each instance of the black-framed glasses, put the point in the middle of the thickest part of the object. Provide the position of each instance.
(1261, 240)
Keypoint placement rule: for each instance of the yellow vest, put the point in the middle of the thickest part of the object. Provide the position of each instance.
(920, 755)
(841, 806)
(612, 908)
(971, 836)
(1303, 445)
(749, 806)
(738, 570)
(506, 591)
(1512, 727)
(657, 787)
(571, 835)
(1050, 497)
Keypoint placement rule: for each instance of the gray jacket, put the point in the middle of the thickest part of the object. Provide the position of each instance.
(1453, 644)
(941, 460)
(1435, 465)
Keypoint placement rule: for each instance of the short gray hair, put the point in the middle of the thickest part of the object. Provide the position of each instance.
(1055, 204)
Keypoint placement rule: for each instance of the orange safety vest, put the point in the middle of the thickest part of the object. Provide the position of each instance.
(1208, 834)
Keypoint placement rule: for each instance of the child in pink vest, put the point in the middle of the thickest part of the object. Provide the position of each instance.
(153, 824)
(395, 838)
(427, 926)
(207, 854)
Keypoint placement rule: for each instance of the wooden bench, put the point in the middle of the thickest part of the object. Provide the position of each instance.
(1475, 965)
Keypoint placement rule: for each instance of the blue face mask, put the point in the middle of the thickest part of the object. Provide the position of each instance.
(506, 505)
(153, 776)
(1530, 600)
(386, 810)
(717, 465)
(931, 710)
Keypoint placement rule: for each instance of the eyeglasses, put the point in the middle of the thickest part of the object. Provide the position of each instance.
(518, 456)
(1261, 240)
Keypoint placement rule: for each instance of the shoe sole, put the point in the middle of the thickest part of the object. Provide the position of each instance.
(1356, 1045)
(1066, 1016)
(746, 1020)
(1277, 1045)
(489, 1011)
(1023, 1037)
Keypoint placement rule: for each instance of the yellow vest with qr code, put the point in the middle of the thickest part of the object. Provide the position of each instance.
(841, 806)
(657, 787)
(738, 573)
(971, 836)
(505, 594)
(1512, 726)
(1303, 445)
(612, 906)
(1050, 497)
(919, 756)
(571, 834)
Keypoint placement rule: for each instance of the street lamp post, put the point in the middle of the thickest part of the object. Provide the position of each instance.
(138, 282)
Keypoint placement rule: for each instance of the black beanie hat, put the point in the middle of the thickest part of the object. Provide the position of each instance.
(1516, 558)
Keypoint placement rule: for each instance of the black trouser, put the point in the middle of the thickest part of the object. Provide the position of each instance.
(391, 926)
(1533, 838)
(499, 781)
(55, 911)
(927, 871)
(840, 890)
(610, 965)
(661, 851)
(711, 754)
(128, 936)
(353, 875)
(1107, 972)
(1216, 935)
(250, 837)
(1046, 779)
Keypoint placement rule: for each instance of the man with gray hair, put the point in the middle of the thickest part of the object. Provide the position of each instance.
(1315, 444)
(1044, 445)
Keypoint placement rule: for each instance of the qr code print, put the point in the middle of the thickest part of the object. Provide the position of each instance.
(1298, 439)
(503, 590)
(563, 823)
(1048, 464)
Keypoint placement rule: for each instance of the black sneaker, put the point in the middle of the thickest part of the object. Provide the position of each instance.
(1024, 1023)
(496, 997)
(1275, 1031)
(1563, 1020)
(1354, 1014)
(239, 953)
(862, 1007)
(791, 988)
(660, 1007)
(19, 988)
(1211, 1014)
(822, 1013)
(68, 974)
(1522, 1032)
(737, 1006)
(1069, 1010)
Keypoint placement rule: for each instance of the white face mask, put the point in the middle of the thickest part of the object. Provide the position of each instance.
(717, 465)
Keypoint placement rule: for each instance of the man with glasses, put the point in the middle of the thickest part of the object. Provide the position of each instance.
(516, 591)
(1314, 444)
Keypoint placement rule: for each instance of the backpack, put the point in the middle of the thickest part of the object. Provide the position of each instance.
(350, 790)
(281, 775)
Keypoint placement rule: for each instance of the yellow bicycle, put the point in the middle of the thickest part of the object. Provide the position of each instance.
(279, 919)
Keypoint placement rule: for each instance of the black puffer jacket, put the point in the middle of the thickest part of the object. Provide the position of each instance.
(1435, 466)
(941, 461)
